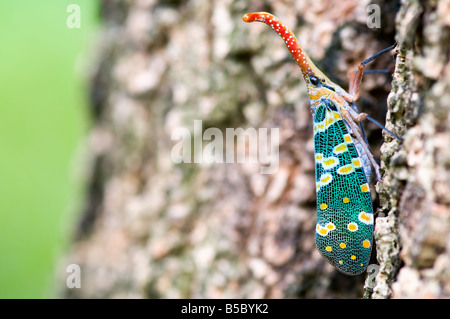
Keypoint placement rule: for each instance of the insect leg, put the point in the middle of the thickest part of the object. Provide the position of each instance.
(377, 71)
(364, 116)
(355, 84)
(376, 55)
(383, 127)
(360, 124)
(356, 79)
(347, 115)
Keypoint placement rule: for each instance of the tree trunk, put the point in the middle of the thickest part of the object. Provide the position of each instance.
(153, 228)
(412, 238)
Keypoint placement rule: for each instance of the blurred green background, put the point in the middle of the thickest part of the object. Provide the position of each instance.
(44, 118)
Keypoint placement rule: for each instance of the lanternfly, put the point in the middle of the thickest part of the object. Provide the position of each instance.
(343, 161)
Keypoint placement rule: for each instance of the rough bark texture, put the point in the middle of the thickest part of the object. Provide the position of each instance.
(413, 239)
(156, 229)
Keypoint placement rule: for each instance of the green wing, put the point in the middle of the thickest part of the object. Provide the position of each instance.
(344, 229)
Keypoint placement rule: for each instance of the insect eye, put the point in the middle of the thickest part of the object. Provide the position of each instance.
(314, 79)
(323, 80)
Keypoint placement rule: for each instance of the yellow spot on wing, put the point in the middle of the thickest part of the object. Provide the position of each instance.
(366, 218)
(342, 245)
(339, 149)
(323, 206)
(345, 200)
(330, 162)
(325, 179)
(347, 138)
(346, 169)
(328, 248)
(366, 243)
(352, 227)
(337, 115)
(356, 162)
(323, 231)
(365, 187)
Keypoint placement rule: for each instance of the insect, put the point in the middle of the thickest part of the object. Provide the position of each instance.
(343, 161)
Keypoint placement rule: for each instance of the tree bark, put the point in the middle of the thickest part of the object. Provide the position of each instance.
(156, 229)
(412, 240)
